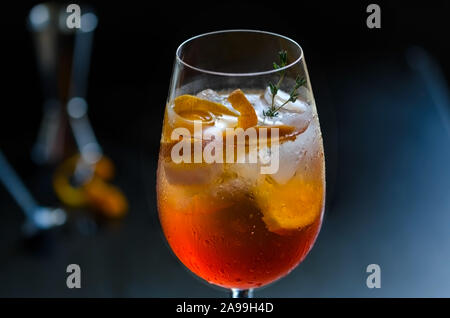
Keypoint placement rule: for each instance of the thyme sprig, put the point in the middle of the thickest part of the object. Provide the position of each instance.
(274, 88)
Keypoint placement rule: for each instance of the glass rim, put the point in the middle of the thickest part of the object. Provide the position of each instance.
(180, 60)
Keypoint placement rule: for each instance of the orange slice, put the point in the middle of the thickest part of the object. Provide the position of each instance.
(291, 206)
(188, 108)
(193, 107)
(247, 116)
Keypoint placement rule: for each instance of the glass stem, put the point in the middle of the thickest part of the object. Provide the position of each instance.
(241, 293)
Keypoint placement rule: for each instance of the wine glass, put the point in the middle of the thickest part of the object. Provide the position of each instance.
(241, 175)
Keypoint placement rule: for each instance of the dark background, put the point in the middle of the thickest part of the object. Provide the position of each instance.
(385, 128)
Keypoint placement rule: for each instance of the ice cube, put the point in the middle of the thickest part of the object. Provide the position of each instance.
(299, 121)
(191, 174)
(289, 158)
(212, 96)
(296, 156)
(299, 106)
(297, 114)
(222, 121)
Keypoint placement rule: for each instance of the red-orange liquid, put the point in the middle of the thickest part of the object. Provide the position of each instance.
(226, 242)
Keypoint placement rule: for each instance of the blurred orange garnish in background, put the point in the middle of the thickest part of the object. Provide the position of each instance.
(105, 197)
(95, 193)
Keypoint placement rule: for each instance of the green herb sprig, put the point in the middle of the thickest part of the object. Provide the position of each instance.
(273, 110)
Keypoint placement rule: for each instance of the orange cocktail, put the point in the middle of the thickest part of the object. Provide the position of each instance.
(226, 221)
